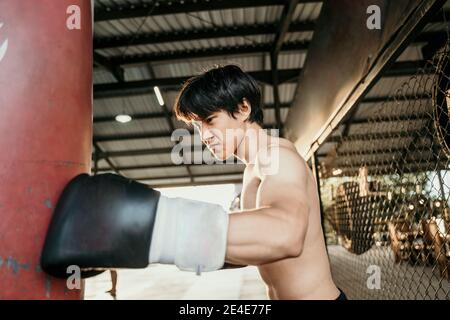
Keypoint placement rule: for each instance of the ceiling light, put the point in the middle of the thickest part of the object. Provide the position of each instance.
(158, 95)
(123, 118)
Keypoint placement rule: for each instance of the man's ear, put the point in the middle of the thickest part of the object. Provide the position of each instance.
(245, 109)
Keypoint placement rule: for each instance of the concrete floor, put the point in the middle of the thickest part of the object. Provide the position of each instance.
(167, 282)
(398, 281)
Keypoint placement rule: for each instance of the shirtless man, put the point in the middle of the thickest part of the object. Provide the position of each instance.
(279, 228)
(107, 221)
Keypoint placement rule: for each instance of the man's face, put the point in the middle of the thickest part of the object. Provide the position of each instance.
(221, 133)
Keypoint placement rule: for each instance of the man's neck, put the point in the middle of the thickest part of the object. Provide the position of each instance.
(254, 139)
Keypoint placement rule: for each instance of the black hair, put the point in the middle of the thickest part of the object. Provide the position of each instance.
(219, 88)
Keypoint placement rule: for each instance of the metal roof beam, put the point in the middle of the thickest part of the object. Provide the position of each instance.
(154, 8)
(148, 135)
(158, 115)
(151, 38)
(109, 90)
(205, 53)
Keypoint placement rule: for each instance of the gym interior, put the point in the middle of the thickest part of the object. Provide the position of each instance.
(361, 88)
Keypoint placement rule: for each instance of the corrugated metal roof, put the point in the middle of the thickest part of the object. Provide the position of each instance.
(129, 105)
(392, 109)
(139, 125)
(369, 158)
(193, 67)
(307, 11)
(375, 144)
(328, 147)
(101, 164)
(304, 12)
(269, 115)
(190, 21)
(136, 73)
(377, 159)
(389, 85)
(113, 3)
(411, 53)
(194, 45)
(385, 127)
(249, 62)
(286, 92)
(137, 144)
(103, 76)
(299, 36)
(287, 60)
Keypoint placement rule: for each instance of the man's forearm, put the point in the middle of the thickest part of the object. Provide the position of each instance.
(261, 236)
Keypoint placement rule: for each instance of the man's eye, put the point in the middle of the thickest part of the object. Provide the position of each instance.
(209, 120)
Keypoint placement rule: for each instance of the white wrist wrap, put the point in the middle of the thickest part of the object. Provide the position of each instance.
(190, 234)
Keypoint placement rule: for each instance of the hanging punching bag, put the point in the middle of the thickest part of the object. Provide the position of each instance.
(45, 132)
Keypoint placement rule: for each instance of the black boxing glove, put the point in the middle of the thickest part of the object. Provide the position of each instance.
(109, 222)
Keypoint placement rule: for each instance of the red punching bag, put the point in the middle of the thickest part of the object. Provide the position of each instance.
(45, 131)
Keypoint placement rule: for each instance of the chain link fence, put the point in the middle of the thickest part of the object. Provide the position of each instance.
(385, 189)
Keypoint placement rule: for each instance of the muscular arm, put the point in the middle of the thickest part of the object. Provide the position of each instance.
(277, 228)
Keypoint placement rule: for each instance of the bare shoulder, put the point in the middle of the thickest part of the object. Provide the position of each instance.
(285, 146)
(281, 161)
(284, 177)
